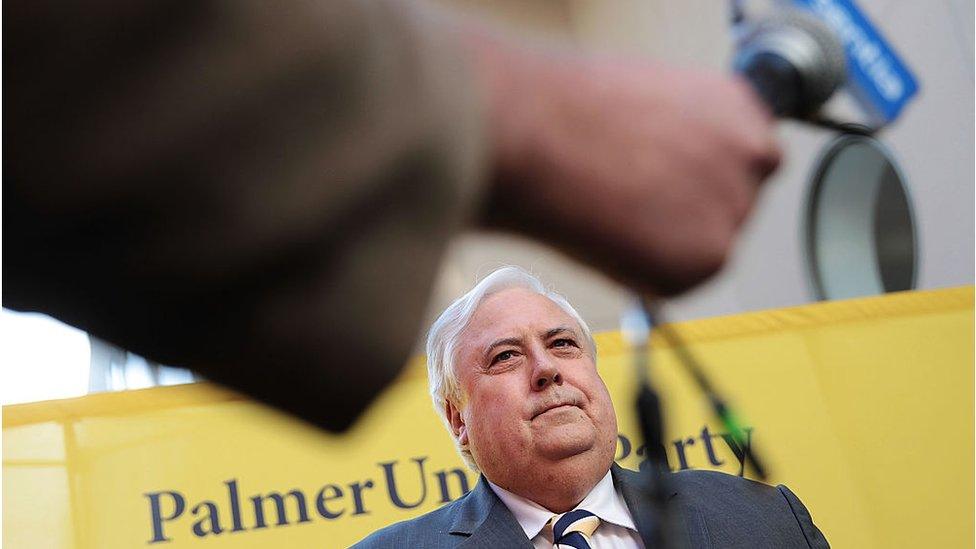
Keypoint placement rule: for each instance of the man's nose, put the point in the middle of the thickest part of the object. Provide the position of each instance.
(546, 373)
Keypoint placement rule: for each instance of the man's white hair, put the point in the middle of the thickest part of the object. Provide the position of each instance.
(444, 336)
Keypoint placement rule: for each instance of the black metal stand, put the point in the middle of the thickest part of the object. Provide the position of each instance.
(652, 423)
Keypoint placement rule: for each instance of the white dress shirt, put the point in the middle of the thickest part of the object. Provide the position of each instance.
(616, 531)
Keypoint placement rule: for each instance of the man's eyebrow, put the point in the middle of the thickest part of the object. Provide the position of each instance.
(503, 341)
(560, 330)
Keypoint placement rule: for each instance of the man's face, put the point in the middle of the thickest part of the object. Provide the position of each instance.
(533, 397)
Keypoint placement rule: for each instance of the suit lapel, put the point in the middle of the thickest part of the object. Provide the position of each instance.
(487, 521)
(686, 528)
(631, 486)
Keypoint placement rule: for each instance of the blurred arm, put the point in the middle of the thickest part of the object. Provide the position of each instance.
(260, 191)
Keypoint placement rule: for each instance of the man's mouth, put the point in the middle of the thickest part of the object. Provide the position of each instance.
(555, 407)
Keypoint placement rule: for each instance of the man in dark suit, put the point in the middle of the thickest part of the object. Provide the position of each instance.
(512, 369)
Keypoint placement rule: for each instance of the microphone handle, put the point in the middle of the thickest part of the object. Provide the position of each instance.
(719, 405)
(655, 478)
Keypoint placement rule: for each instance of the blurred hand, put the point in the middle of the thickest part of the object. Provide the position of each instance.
(645, 172)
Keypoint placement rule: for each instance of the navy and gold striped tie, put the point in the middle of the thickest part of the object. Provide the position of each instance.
(574, 529)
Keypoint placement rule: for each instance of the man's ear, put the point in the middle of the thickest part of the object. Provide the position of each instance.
(458, 427)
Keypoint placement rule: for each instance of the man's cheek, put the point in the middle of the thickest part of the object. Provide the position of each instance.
(496, 404)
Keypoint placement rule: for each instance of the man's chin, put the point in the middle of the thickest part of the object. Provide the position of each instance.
(565, 441)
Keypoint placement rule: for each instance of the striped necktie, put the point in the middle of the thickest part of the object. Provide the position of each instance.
(573, 529)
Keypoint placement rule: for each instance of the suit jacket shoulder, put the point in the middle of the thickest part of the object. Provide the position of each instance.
(478, 519)
(421, 531)
(724, 510)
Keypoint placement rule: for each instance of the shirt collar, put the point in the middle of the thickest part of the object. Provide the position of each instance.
(603, 501)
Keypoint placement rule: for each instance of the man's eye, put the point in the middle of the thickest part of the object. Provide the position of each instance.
(503, 356)
(564, 343)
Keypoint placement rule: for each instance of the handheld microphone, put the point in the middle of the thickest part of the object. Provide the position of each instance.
(793, 61)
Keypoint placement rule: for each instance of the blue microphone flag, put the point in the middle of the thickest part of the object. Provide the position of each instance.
(877, 77)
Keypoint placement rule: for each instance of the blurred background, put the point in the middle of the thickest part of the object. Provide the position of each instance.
(839, 219)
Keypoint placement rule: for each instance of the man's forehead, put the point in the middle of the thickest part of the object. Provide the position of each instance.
(514, 310)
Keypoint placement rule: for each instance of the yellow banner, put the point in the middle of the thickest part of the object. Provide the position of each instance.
(864, 408)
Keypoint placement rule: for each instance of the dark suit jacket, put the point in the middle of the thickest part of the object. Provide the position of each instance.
(707, 510)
